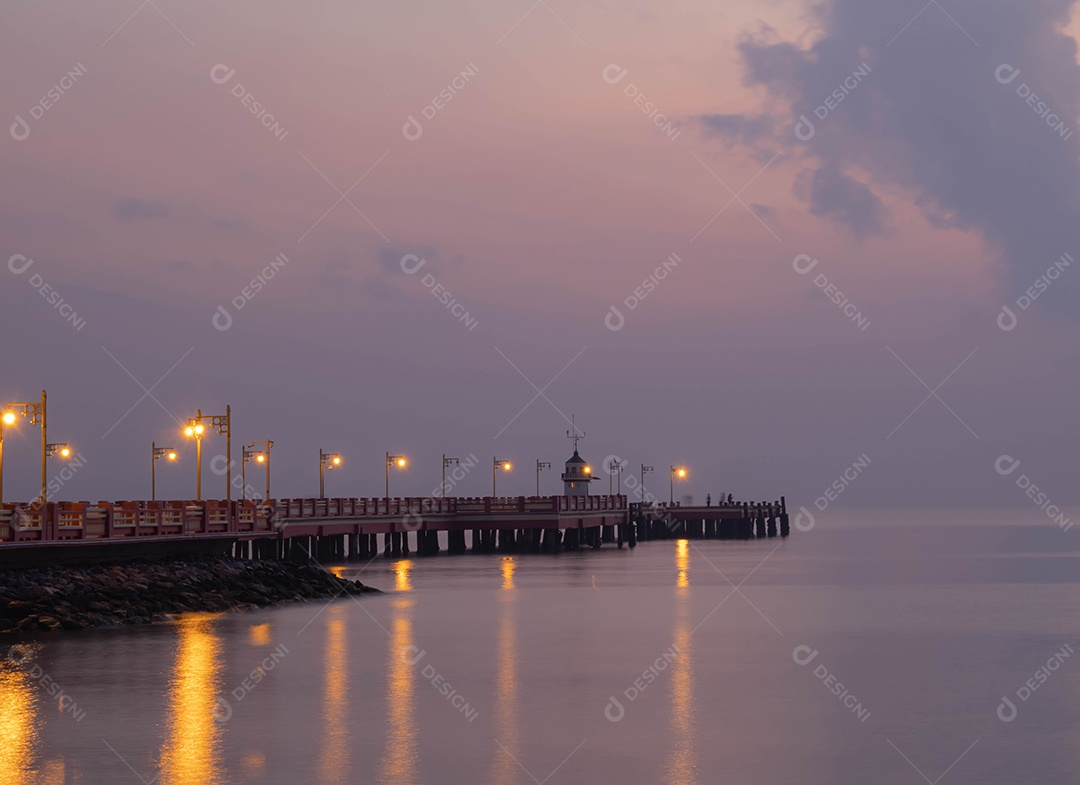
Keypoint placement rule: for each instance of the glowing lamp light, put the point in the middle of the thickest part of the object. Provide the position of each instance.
(506, 466)
(587, 470)
(401, 462)
(337, 461)
(65, 452)
(680, 473)
(171, 456)
(260, 458)
(9, 418)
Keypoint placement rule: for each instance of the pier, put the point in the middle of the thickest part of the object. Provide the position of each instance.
(363, 528)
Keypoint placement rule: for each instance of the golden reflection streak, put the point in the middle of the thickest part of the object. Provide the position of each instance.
(682, 762)
(191, 754)
(403, 575)
(334, 759)
(338, 571)
(53, 773)
(504, 769)
(682, 563)
(259, 634)
(508, 567)
(18, 725)
(400, 760)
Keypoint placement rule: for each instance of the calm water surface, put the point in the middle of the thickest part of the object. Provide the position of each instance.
(492, 669)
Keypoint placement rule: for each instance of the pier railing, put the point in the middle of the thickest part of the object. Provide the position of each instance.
(73, 521)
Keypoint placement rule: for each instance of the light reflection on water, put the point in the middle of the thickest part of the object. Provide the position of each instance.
(504, 767)
(334, 758)
(400, 760)
(192, 750)
(682, 762)
(18, 724)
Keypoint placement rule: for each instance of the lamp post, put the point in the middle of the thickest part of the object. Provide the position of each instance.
(222, 423)
(613, 467)
(156, 454)
(393, 460)
(327, 460)
(446, 462)
(676, 471)
(644, 469)
(58, 448)
(540, 466)
(498, 464)
(194, 430)
(263, 458)
(36, 411)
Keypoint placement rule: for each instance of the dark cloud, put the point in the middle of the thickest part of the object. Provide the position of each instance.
(921, 111)
(139, 209)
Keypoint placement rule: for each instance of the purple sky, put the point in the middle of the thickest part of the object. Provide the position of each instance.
(540, 195)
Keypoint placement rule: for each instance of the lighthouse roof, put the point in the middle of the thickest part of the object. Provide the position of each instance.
(576, 459)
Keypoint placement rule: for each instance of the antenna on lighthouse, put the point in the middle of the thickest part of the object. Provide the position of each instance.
(576, 435)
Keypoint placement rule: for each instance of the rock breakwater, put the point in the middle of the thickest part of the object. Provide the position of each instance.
(74, 598)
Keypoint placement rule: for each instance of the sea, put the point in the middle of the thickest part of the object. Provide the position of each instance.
(881, 645)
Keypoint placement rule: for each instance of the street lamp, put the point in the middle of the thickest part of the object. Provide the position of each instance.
(540, 466)
(446, 462)
(194, 430)
(499, 464)
(222, 423)
(644, 469)
(259, 457)
(613, 467)
(393, 460)
(36, 411)
(156, 454)
(676, 471)
(327, 460)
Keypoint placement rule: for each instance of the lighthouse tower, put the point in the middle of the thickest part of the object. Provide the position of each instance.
(577, 474)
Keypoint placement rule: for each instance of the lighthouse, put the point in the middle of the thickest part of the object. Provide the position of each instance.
(576, 476)
(577, 473)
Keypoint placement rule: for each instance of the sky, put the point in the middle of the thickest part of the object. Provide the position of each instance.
(763, 240)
